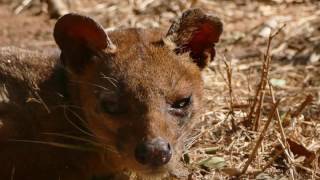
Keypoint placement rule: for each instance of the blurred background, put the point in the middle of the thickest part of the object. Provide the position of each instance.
(222, 143)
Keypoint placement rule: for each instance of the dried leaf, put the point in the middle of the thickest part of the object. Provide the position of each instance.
(232, 171)
(299, 150)
(278, 82)
(213, 162)
(186, 158)
(211, 150)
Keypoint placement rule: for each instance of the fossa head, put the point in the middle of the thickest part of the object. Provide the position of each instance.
(140, 91)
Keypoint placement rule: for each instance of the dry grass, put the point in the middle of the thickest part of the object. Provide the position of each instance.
(262, 117)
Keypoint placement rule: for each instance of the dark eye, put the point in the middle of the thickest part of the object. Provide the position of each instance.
(182, 103)
(109, 107)
(109, 103)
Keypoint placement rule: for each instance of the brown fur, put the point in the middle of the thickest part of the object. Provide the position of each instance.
(52, 123)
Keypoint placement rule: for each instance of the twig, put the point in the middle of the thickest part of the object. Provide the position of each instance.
(229, 81)
(288, 154)
(315, 173)
(282, 134)
(23, 5)
(263, 81)
(262, 135)
(285, 147)
(57, 8)
(274, 157)
(307, 101)
(316, 164)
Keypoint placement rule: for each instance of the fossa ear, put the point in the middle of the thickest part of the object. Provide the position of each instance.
(79, 38)
(196, 33)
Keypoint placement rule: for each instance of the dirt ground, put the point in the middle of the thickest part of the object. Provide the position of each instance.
(222, 145)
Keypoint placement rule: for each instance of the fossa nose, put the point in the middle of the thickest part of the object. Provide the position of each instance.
(155, 152)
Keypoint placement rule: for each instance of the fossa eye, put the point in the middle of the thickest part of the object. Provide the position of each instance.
(180, 107)
(181, 103)
(109, 103)
(109, 107)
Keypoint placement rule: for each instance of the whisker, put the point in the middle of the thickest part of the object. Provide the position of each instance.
(78, 127)
(73, 124)
(112, 80)
(76, 115)
(13, 171)
(56, 144)
(94, 85)
(92, 142)
(73, 137)
(72, 106)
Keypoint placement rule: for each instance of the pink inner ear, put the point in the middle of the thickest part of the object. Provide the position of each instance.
(204, 38)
